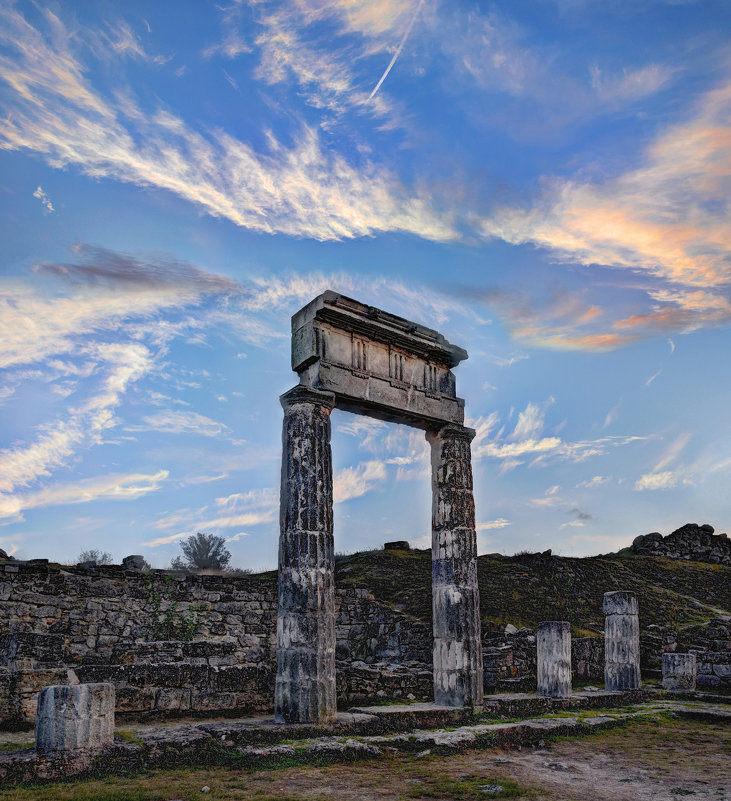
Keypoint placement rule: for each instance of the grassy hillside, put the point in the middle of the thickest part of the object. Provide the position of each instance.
(526, 589)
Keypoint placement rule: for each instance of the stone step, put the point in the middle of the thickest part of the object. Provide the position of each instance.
(257, 742)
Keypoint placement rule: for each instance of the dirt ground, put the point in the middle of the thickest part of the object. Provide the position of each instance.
(651, 760)
(642, 762)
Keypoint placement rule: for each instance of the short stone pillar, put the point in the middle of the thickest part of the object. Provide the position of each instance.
(457, 646)
(621, 641)
(553, 648)
(678, 671)
(74, 717)
(305, 684)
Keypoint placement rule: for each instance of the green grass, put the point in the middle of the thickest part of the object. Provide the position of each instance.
(526, 589)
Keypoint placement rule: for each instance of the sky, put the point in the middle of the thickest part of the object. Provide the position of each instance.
(545, 182)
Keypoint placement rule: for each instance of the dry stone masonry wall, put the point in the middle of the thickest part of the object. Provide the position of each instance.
(97, 621)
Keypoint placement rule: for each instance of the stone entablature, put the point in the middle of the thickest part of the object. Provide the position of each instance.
(399, 370)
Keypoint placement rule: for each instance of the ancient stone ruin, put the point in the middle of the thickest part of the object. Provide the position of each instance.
(621, 641)
(553, 654)
(678, 671)
(691, 541)
(74, 717)
(364, 360)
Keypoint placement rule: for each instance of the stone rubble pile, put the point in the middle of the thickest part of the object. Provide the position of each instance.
(691, 541)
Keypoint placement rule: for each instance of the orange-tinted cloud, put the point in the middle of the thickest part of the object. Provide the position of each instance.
(668, 217)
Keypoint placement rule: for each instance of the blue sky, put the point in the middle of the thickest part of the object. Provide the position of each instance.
(546, 182)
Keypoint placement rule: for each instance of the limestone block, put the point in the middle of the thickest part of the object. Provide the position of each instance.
(74, 717)
(678, 671)
(553, 647)
(621, 641)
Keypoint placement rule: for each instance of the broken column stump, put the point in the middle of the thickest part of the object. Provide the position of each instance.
(77, 717)
(678, 671)
(621, 641)
(553, 647)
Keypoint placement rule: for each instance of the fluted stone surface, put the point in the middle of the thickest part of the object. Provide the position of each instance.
(678, 671)
(74, 717)
(305, 683)
(553, 649)
(621, 641)
(457, 646)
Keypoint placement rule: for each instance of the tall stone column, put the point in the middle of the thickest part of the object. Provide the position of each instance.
(455, 594)
(553, 652)
(621, 641)
(305, 684)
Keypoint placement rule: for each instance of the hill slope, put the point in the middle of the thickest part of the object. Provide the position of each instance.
(525, 589)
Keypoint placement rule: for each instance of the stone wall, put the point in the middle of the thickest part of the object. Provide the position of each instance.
(98, 621)
(691, 541)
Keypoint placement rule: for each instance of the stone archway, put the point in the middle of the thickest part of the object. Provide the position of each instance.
(364, 360)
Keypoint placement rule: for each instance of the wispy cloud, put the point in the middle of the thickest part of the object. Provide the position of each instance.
(252, 508)
(630, 84)
(657, 481)
(111, 487)
(487, 525)
(561, 320)
(653, 377)
(175, 422)
(668, 217)
(352, 482)
(302, 190)
(592, 483)
(661, 478)
(85, 425)
(21, 465)
(45, 200)
(672, 452)
(539, 449)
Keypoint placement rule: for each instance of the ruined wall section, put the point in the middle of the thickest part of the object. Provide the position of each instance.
(98, 621)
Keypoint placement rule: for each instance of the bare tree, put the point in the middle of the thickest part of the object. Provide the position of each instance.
(203, 552)
(96, 556)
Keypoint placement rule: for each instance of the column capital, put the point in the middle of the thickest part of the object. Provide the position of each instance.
(451, 431)
(302, 394)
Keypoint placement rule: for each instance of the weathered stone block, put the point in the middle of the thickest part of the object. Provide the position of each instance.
(553, 647)
(621, 641)
(678, 671)
(74, 717)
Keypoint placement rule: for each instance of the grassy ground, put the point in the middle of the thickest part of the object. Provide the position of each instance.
(647, 760)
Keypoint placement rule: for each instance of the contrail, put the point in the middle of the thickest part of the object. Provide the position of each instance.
(398, 51)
